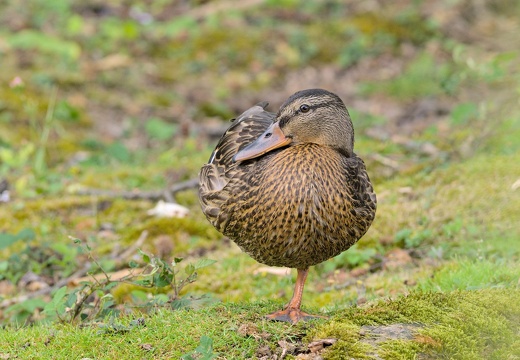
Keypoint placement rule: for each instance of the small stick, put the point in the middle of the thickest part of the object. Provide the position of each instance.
(78, 274)
(128, 252)
(153, 195)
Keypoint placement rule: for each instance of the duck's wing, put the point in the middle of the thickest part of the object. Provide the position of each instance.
(215, 175)
(362, 195)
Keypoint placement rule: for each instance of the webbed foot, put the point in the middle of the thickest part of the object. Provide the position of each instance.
(292, 315)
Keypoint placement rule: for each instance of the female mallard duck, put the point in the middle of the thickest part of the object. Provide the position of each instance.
(287, 188)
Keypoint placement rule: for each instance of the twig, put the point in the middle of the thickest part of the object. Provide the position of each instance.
(128, 252)
(351, 282)
(153, 195)
(77, 275)
(185, 185)
(18, 299)
(214, 7)
(116, 276)
(394, 165)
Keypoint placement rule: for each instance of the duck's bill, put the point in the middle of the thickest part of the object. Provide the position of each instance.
(272, 138)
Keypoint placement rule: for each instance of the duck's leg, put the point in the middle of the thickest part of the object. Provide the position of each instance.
(292, 312)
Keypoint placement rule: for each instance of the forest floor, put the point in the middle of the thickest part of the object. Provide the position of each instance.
(107, 109)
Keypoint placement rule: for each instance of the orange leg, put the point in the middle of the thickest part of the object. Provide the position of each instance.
(292, 312)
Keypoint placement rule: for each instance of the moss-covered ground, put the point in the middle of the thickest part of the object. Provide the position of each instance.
(130, 97)
(459, 324)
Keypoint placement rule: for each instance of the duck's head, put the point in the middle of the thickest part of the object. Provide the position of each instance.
(308, 116)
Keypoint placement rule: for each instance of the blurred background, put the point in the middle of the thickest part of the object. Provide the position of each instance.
(107, 107)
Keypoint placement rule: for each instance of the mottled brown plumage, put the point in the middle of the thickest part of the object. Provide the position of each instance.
(287, 188)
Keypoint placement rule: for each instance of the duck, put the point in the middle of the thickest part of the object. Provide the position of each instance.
(288, 188)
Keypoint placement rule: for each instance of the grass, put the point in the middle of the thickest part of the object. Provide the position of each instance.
(466, 274)
(433, 77)
(455, 325)
(166, 331)
(125, 105)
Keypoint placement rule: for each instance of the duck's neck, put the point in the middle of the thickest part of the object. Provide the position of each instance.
(342, 138)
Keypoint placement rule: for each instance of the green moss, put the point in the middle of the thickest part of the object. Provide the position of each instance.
(348, 343)
(186, 233)
(190, 199)
(457, 325)
(54, 205)
(400, 350)
(407, 27)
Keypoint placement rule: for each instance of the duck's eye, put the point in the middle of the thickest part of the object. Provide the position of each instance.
(305, 108)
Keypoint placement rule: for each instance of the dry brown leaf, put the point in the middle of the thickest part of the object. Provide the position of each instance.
(147, 347)
(112, 61)
(320, 344)
(515, 185)
(397, 258)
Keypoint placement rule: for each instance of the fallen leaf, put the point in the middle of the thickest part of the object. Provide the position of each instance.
(319, 345)
(287, 347)
(6, 287)
(515, 185)
(167, 209)
(264, 352)
(147, 347)
(112, 61)
(397, 258)
(248, 329)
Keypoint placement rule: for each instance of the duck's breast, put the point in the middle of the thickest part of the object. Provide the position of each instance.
(298, 207)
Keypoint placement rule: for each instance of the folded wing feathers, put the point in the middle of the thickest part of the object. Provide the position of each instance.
(213, 176)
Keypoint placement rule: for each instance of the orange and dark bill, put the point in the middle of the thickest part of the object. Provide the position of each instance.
(272, 138)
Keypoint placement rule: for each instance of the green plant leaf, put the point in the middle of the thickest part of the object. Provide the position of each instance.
(75, 240)
(193, 302)
(180, 24)
(202, 263)
(402, 235)
(57, 304)
(119, 152)
(110, 285)
(190, 269)
(204, 351)
(142, 282)
(59, 294)
(4, 265)
(462, 113)
(144, 256)
(26, 234)
(30, 39)
(71, 299)
(162, 279)
(7, 240)
(160, 129)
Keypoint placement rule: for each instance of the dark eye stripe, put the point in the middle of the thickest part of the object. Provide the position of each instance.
(323, 104)
(286, 118)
